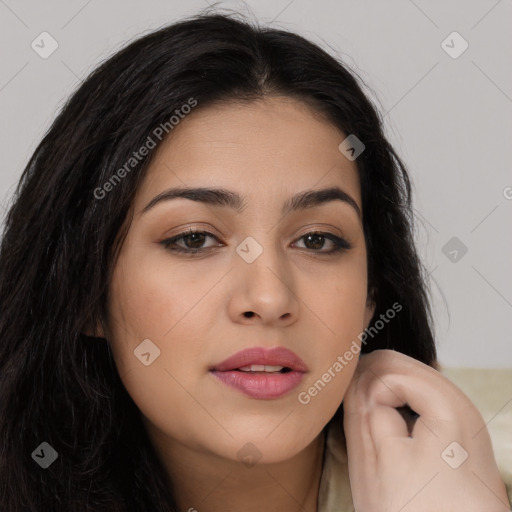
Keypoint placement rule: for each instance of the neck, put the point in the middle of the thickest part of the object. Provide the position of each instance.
(205, 482)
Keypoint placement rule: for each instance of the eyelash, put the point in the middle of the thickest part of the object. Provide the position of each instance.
(340, 244)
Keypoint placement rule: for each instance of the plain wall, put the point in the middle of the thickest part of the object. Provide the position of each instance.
(449, 118)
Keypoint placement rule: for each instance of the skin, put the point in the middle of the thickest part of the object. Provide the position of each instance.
(383, 456)
(192, 307)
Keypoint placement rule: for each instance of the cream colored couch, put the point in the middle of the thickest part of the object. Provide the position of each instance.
(491, 392)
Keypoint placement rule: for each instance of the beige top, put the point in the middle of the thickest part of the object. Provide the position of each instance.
(334, 494)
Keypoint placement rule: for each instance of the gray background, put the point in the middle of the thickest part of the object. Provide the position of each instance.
(449, 118)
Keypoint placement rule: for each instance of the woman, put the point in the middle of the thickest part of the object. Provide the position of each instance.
(211, 250)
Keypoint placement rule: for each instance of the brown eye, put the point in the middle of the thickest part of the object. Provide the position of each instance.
(196, 240)
(315, 241)
(193, 242)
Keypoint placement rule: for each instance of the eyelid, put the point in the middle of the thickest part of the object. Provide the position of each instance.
(194, 227)
(341, 243)
(322, 228)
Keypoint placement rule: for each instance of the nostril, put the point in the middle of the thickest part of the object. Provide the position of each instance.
(248, 314)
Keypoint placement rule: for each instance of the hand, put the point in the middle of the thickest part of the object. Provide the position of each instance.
(426, 471)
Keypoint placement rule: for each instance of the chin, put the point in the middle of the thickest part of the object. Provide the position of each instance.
(267, 447)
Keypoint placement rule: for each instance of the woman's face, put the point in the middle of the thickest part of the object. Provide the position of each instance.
(257, 280)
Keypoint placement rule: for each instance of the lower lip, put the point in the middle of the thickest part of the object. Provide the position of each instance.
(260, 385)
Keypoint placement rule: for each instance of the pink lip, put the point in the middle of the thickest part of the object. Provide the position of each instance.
(261, 385)
(277, 356)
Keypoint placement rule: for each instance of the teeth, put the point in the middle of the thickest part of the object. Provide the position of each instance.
(261, 368)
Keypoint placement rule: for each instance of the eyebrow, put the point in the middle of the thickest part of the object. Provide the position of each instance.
(227, 198)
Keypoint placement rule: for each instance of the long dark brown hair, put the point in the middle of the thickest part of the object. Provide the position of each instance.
(60, 244)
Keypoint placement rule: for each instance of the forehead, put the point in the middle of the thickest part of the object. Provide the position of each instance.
(265, 148)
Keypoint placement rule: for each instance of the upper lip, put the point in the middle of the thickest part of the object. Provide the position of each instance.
(277, 356)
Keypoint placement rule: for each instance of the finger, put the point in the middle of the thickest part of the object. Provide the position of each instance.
(371, 402)
(360, 447)
(393, 380)
(387, 422)
(405, 380)
(388, 392)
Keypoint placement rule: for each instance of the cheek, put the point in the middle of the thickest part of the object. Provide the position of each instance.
(151, 298)
(144, 305)
(321, 396)
(341, 306)
(151, 302)
(341, 300)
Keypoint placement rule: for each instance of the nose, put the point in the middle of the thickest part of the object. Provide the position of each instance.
(264, 290)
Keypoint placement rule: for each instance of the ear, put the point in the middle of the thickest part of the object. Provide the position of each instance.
(95, 332)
